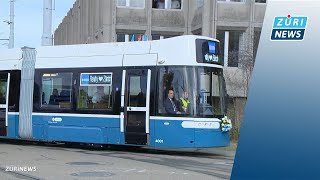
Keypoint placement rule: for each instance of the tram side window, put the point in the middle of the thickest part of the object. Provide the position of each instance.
(210, 92)
(216, 100)
(190, 91)
(176, 81)
(56, 90)
(3, 91)
(137, 90)
(96, 96)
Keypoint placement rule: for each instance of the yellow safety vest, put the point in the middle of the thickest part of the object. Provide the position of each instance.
(184, 103)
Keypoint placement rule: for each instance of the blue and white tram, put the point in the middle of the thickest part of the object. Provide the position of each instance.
(114, 93)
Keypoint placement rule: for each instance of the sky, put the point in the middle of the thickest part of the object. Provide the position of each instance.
(29, 20)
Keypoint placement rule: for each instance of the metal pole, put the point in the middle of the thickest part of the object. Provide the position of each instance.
(47, 23)
(226, 48)
(11, 36)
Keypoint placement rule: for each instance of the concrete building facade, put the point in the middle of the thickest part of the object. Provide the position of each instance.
(236, 23)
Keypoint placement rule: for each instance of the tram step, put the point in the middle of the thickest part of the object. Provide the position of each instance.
(136, 138)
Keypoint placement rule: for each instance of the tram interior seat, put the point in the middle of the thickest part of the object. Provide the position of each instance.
(65, 96)
(54, 100)
(63, 99)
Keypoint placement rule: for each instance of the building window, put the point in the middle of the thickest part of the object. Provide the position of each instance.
(233, 49)
(157, 37)
(233, 0)
(134, 37)
(234, 39)
(121, 38)
(95, 91)
(131, 37)
(131, 3)
(261, 1)
(56, 90)
(140, 37)
(221, 37)
(167, 4)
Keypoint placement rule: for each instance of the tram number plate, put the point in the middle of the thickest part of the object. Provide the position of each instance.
(159, 141)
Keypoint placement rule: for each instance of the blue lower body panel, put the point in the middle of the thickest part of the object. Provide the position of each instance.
(188, 134)
(211, 138)
(13, 124)
(164, 132)
(89, 129)
(77, 134)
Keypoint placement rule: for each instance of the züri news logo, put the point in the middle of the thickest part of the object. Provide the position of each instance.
(289, 27)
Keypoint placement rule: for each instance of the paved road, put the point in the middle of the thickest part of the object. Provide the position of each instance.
(34, 161)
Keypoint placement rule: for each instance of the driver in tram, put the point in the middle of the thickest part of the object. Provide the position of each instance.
(171, 104)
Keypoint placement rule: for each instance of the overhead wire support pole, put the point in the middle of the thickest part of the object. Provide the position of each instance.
(47, 23)
(11, 23)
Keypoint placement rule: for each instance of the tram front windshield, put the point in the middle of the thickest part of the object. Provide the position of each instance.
(198, 91)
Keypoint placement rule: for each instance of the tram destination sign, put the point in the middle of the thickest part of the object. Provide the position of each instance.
(96, 79)
(207, 51)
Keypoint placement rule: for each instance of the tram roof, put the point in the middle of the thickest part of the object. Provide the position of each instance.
(174, 51)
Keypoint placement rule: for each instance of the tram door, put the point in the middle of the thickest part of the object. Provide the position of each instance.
(136, 105)
(4, 95)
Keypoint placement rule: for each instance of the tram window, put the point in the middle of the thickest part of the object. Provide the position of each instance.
(211, 98)
(3, 91)
(178, 80)
(14, 92)
(197, 91)
(95, 91)
(137, 91)
(95, 97)
(56, 90)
